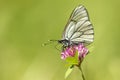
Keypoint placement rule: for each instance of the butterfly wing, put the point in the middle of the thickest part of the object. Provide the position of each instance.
(79, 28)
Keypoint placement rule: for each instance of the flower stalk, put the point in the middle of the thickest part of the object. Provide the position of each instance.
(83, 77)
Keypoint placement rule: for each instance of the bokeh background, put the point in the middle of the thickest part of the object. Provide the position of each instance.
(26, 24)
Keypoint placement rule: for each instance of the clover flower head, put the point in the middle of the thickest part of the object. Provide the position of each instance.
(71, 51)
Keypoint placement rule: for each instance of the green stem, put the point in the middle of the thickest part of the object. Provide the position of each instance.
(83, 77)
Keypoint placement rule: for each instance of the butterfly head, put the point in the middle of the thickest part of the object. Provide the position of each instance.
(64, 42)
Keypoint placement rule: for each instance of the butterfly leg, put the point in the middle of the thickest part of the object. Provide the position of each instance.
(57, 48)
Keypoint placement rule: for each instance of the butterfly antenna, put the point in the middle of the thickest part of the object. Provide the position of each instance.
(49, 42)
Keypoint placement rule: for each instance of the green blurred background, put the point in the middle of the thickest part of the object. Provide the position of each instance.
(26, 24)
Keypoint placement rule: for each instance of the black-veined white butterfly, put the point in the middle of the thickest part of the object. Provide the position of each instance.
(78, 29)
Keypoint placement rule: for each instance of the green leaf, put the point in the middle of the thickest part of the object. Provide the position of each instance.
(73, 60)
(69, 70)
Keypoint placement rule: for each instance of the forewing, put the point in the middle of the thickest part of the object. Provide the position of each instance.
(79, 14)
(79, 28)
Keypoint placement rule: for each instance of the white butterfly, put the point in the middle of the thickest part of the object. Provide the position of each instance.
(78, 29)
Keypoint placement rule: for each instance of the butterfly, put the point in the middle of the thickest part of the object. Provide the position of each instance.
(78, 29)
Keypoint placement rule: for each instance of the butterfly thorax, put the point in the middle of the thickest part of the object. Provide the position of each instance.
(65, 42)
